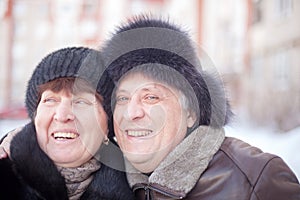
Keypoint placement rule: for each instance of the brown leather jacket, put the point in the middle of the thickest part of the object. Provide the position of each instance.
(237, 171)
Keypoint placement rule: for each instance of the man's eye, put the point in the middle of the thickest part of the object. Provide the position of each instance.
(82, 102)
(151, 99)
(122, 100)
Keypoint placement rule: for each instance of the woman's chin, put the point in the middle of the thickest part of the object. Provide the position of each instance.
(69, 160)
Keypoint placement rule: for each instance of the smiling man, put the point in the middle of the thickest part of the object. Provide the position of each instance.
(169, 115)
(151, 119)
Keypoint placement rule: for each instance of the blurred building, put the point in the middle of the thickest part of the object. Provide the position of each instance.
(5, 51)
(253, 44)
(31, 29)
(224, 29)
(272, 88)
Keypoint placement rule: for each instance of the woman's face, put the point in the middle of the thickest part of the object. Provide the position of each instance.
(70, 128)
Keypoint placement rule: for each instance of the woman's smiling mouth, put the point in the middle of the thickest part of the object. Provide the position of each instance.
(64, 135)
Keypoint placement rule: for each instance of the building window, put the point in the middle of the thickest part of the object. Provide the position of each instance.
(283, 8)
(90, 9)
(44, 10)
(281, 63)
(3, 8)
(257, 70)
(20, 9)
(257, 11)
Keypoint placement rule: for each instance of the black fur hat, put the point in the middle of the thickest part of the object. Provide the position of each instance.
(75, 62)
(153, 43)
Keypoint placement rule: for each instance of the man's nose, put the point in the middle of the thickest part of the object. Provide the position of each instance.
(64, 112)
(135, 109)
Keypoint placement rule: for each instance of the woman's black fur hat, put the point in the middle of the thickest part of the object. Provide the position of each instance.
(77, 62)
(150, 42)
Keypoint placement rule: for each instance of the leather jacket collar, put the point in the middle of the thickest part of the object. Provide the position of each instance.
(181, 169)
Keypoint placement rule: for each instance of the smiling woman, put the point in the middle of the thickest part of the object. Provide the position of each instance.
(70, 121)
(54, 155)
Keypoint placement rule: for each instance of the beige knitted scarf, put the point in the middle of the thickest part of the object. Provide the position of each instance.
(181, 169)
(78, 179)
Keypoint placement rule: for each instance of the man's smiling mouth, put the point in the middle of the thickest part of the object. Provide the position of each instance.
(139, 133)
(64, 135)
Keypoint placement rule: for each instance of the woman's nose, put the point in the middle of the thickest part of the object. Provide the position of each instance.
(64, 112)
(135, 110)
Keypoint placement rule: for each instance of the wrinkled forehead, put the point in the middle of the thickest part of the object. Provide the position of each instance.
(69, 86)
(138, 81)
(156, 74)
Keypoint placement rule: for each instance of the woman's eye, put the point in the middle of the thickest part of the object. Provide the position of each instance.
(49, 100)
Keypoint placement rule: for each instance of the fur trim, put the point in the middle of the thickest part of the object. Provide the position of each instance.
(143, 21)
(36, 170)
(146, 40)
(196, 151)
(146, 33)
(9, 184)
(35, 167)
(74, 62)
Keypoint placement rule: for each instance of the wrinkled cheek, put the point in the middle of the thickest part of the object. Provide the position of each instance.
(41, 126)
(118, 120)
(116, 127)
(93, 141)
(42, 140)
(121, 139)
(158, 117)
(43, 118)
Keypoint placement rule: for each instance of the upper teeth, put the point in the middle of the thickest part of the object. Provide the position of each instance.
(64, 135)
(138, 133)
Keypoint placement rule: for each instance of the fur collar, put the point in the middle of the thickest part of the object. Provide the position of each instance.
(37, 171)
(181, 169)
(34, 167)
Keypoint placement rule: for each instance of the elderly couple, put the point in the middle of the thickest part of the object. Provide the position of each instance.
(147, 95)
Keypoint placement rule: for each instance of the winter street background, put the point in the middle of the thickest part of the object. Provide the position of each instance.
(286, 145)
(253, 44)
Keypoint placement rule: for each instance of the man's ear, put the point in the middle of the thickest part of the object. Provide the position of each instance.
(191, 118)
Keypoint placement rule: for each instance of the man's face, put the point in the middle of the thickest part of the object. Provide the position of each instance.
(149, 120)
(70, 128)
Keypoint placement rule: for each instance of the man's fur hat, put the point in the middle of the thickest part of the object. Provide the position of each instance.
(162, 49)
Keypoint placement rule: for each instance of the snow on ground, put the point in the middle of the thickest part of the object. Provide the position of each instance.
(286, 145)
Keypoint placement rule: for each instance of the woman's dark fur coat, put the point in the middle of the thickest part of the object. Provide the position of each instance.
(30, 174)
